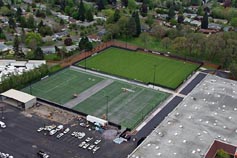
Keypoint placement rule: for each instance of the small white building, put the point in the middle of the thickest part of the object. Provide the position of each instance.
(18, 99)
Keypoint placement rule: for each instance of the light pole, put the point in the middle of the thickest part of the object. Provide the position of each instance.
(154, 77)
(107, 108)
(85, 59)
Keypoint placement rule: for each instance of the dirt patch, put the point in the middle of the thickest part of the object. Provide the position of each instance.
(51, 113)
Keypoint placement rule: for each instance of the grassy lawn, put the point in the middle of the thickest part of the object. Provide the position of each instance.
(125, 107)
(60, 87)
(140, 66)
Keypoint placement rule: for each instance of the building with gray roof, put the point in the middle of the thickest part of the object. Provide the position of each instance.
(206, 114)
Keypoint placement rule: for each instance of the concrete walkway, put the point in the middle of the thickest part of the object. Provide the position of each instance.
(88, 93)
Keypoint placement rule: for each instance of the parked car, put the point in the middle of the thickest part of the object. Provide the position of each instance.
(97, 141)
(86, 145)
(95, 149)
(59, 127)
(2, 124)
(88, 139)
(42, 154)
(82, 144)
(91, 146)
(60, 135)
(53, 132)
(40, 129)
(66, 130)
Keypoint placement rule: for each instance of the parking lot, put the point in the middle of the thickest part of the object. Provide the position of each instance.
(22, 140)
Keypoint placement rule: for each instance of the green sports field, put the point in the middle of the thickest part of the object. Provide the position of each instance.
(141, 66)
(61, 87)
(127, 104)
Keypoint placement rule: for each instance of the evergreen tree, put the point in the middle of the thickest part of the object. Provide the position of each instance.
(1, 3)
(171, 13)
(116, 15)
(16, 44)
(235, 4)
(144, 9)
(38, 54)
(2, 35)
(100, 4)
(131, 27)
(180, 18)
(81, 11)
(31, 22)
(89, 15)
(138, 24)
(125, 3)
(12, 23)
(204, 24)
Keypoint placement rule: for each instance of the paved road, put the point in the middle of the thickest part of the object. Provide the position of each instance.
(186, 90)
(88, 93)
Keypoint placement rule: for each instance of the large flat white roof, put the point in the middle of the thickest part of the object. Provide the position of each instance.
(18, 95)
(207, 114)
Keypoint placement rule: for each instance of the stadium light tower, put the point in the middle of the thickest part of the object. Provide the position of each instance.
(154, 77)
(107, 108)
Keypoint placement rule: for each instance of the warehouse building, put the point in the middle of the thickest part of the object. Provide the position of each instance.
(18, 99)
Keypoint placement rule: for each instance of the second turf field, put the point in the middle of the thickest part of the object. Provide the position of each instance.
(126, 104)
(145, 67)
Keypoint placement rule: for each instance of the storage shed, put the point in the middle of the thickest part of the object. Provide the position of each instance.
(18, 99)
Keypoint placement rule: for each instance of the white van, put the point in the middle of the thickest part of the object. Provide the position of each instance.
(2, 124)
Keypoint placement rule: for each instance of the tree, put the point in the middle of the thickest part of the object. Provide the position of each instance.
(138, 24)
(81, 11)
(222, 154)
(38, 54)
(227, 3)
(31, 22)
(131, 27)
(233, 22)
(12, 23)
(68, 41)
(204, 24)
(2, 35)
(100, 4)
(144, 9)
(195, 2)
(233, 68)
(85, 44)
(16, 44)
(180, 18)
(116, 15)
(89, 15)
(171, 13)
(132, 5)
(1, 3)
(33, 40)
(235, 4)
(125, 3)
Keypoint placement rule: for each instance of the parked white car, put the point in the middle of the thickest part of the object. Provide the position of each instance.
(66, 130)
(2, 124)
(52, 132)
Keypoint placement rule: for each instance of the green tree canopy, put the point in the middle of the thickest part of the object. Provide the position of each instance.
(33, 40)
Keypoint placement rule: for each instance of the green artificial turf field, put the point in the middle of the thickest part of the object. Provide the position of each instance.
(127, 104)
(141, 66)
(61, 87)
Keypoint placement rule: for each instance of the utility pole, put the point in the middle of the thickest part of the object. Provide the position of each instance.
(154, 77)
(107, 108)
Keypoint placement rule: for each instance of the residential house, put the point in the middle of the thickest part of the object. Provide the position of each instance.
(214, 26)
(48, 49)
(5, 48)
